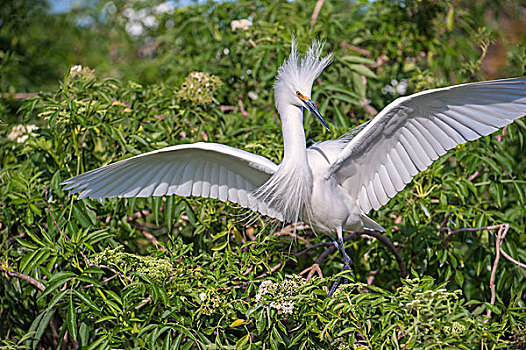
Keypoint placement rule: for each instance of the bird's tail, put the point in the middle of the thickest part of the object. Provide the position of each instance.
(371, 224)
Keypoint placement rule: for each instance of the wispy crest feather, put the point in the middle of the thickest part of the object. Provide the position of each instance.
(301, 71)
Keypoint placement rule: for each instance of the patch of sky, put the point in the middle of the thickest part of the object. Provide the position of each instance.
(64, 6)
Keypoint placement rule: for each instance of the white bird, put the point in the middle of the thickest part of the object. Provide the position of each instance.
(333, 184)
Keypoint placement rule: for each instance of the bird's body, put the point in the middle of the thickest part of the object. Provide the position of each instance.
(330, 185)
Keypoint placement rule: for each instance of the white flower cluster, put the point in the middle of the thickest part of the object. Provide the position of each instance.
(429, 297)
(241, 24)
(139, 20)
(21, 132)
(82, 73)
(284, 306)
(199, 88)
(396, 87)
(280, 291)
(456, 328)
(75, 69)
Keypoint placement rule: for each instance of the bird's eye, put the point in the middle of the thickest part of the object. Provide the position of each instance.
(299, 95)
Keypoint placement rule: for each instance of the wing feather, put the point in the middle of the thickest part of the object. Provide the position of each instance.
(412, 132)
(185, 187)
(401, 167)
(387, 182)
(223, 180)
(417, 154)
(379, 190)
(372, 195)
(99, 185)
(394, 174)
(214, 188)
(433, 139)
(200, 169)
(205, 190)
(424, 141)
(197, 186)
(175, 181)
(407, 162)
(233, 190)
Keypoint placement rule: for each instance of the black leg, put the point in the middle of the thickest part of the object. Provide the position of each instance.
(346, 264)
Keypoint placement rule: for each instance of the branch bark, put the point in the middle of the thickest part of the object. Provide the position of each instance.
(501, 234)
(316, 12)
(34, 282)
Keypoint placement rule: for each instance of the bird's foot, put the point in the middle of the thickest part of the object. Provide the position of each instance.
(346, 266)
(315, 268)
(341, 279)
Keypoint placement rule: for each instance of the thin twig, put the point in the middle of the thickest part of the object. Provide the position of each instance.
(290, 230)
(451, 233)
(227, 108)
(152, 239)
(19, 95)
(331, 248)
(385, 240)
(316, 12)
(244, 113)
(36, 283)
(498, 244)
(144, 302)
(139, 215)
(272, 270)
(361, 51)
(52, 217)
(477, 173)
(504, 254)
(501, 234)
(112, 270)
(106, 280)
(315, 268)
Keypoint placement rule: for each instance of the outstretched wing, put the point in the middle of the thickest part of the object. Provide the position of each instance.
(411, 132)
(201, 169)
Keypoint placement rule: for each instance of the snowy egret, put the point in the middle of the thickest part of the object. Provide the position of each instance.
(331, 185)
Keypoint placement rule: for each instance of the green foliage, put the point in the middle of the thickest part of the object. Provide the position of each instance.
(192, 273)
(157, 270)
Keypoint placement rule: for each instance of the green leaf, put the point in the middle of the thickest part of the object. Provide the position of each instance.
(493, 308)
(83, 335)
(89, 280)
(240, 344)
(169, 211)
(40, 324)
(220, 246)
(156, 208)
(358, 59)
(56, 281)
(84, 297)
(71, 319)
(363, 70)
(80, 212)
(459, 278)
(521, 193)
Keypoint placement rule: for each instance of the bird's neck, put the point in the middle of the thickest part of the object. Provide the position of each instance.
(288, 191)
(294, 145)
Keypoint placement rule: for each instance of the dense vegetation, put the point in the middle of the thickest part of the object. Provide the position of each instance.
(192, 273)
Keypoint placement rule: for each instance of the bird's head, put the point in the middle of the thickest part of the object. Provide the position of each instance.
(295, 77)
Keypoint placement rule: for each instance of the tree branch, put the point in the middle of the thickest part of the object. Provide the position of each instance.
(501, 234)
(36, 283)
(316, 11)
